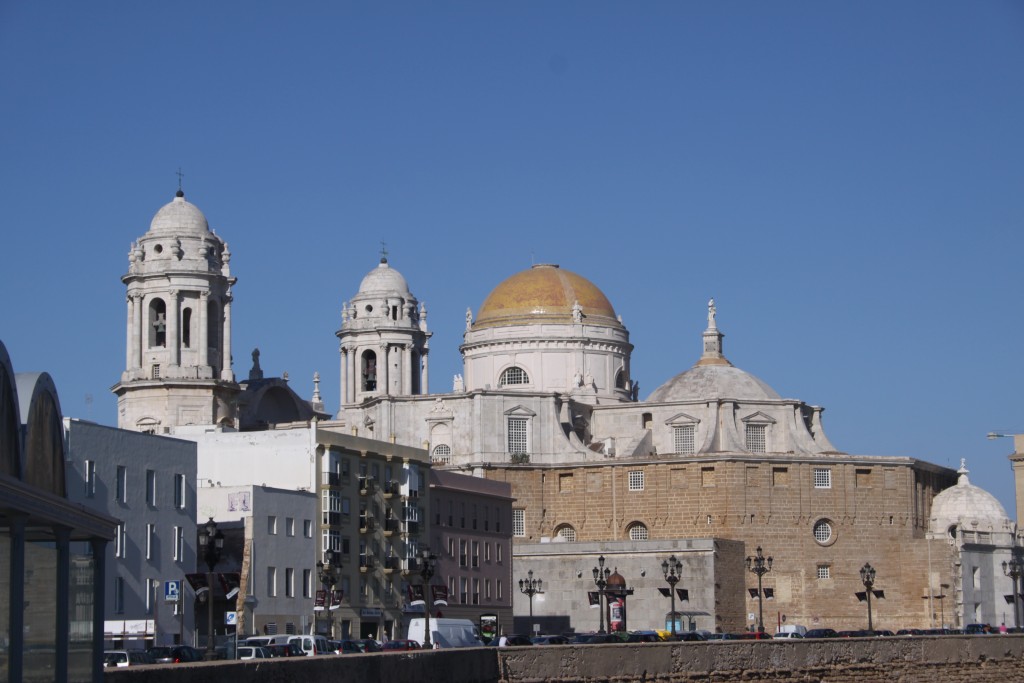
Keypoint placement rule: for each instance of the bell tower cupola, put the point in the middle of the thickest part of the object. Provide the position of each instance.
(178, 342)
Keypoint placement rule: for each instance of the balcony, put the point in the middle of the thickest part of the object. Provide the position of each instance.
(366, 524)
(366, 563)
(390, 526)
(390, 488)
(332, 479)
(366, 486)
(391, 564)
(412, 528)
(332, 519)
(411, 566)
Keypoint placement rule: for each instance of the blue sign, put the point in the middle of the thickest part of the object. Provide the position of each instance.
(172, 591)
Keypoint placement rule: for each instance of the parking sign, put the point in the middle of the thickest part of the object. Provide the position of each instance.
(172, 591)
(231, 618)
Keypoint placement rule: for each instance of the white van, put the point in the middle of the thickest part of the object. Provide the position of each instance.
(311, 645)
(445, 632)
(791, 631)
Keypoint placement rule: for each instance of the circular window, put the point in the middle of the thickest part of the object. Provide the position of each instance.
(369, 308)
(566, 533)
(823, 532)
(158, 248)
(951, 531)
(637, 532)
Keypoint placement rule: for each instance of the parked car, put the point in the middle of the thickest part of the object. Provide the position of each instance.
(123, 658)
(285, 650)
(550, 640)
(602, 638)
(689, 637)
(820, 633)
(175, 653)
(644, 637)
(977, 629)
(396, 645)
(512, 640)
(252, 652)
(753, 635)
(789, 635)
(369, 645)
(350, 647)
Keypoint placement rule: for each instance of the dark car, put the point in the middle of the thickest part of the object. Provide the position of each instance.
(513, 640)
(350, 647)
(689, 637)
(753, 635)
(394, 645)
(550, 640)
(602, 638)
(285, 650)
(977, 629)
(820, 633)
(369, 645)
(176, 654)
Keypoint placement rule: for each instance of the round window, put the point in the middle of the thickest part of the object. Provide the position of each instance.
(823, 532)
(158, 248)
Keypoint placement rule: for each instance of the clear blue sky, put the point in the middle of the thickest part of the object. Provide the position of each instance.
(844, 178)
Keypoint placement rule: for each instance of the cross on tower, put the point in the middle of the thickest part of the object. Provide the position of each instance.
(180, 176)
(383, 252)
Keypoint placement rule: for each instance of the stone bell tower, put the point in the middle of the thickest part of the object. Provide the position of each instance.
(178, 360)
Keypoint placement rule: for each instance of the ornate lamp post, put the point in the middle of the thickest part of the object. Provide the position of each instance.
(1014, 569)
(211, 543)
(328, 572)
(672, 569)
(760, 565)
(426, 572)
(601, 574)
(530, 587)
(867, 577)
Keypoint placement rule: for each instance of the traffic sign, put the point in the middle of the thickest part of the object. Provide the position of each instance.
(231, 618)
(172, 591)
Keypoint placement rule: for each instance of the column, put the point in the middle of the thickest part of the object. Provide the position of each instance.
(424, 387)
(173, 341)
(16, 608)
(406, 351)
(99, 595)
(382, 371)
(225, 366)
(353, 378)
(204, 329)
(137, 332)
(128, 348)
(342, 368)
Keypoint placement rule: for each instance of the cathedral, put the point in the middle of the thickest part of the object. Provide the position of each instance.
(710, 468)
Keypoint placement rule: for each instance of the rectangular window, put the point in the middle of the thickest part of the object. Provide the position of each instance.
(487, 589)
(822, 478)
(289, 582)
(636, 480)
(476, 591)
(463, 590)
(780, 476)
(519, 523)
(451, 547)
(289, 526)
(151, 488)
(565, 483)
(272, 581)
(307, 583)
(476, 554)
(120, 541)
(497, 550)
(824, 571)
(118, 595)
(756, 438)
(499, 589)
(307, 528)
(272, 525)
(487, 552)
(90, 478)
(150, 534)
(121, 492)
(179, 544)
(517, 441)
(684, 438)
(707, 476)
(179, 491)
(863, 478)
(462, 554)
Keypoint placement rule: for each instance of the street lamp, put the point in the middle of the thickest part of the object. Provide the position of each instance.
(211, 543)
(530, 587)
(760, 565)
(601, 574)
(672, 568)
(427, 571)
(867, 577)
(1014, 569)
(328, 572)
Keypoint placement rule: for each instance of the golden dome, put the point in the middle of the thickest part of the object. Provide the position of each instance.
(545, 293)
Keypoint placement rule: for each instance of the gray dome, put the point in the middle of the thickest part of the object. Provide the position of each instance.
(179, 217)
(968, 506)
(706, 382)
(384, 280)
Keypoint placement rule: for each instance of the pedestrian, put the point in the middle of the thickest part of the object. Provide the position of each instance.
(503, 641)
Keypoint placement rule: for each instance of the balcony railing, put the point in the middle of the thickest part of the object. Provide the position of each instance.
(366, 563)
(390, 526)
(412, 527)
(390, 488)
(366, 523)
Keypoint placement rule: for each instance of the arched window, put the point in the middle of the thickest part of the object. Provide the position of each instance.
(566, 533)
(620, 380)
(513, 375)
(157, 323)
(637, 531)
(369, 370)
(442, 454)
